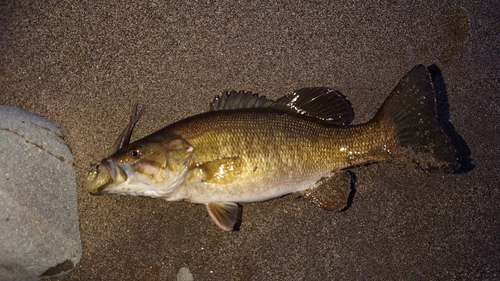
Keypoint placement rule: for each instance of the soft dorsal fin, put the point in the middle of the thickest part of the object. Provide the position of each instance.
(319, 102)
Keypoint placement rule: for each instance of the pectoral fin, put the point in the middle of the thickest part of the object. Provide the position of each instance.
(222, 171)
(225, 214)
(332, 192)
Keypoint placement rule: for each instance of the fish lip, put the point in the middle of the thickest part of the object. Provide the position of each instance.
(111, 167)
(105, 165)
(95, 177)
(112, 170)
(102, 190)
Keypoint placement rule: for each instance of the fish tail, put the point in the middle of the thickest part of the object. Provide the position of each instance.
(408, 118)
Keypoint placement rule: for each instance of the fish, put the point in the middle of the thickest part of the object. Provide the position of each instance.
(249, 148)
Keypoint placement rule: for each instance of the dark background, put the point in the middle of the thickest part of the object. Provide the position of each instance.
(81, 65)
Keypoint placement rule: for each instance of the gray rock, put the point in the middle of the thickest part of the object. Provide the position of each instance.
(39, 230)
(184, 274)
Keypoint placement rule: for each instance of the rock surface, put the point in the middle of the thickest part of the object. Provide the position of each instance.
(39, 230)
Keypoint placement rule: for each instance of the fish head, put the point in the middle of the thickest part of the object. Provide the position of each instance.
(142, 168)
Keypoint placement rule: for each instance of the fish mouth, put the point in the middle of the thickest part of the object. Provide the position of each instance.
(104, 175)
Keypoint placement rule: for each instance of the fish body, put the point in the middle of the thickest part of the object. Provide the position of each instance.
(264, 154)
(251, 149)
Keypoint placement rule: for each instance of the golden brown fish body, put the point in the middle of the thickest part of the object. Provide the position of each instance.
(270, 153)
(250, 149)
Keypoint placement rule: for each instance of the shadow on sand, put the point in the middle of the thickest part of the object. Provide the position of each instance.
(443, 116)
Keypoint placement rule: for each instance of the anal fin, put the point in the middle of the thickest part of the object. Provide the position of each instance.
(331, 193)
(225, 214)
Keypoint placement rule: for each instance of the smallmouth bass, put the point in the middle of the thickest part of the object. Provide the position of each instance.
(250, 149)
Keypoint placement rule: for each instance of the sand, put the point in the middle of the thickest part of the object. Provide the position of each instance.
(82, 63)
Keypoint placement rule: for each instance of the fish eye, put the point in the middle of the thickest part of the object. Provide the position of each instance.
(135, 152)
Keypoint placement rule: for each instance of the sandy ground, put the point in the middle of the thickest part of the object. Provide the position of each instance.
(82, 63)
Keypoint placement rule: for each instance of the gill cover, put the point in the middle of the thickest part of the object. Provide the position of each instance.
(150, 168)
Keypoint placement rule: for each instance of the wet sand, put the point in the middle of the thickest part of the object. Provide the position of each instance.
(81, 65)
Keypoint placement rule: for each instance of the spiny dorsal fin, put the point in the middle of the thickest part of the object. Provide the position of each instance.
(319, 102)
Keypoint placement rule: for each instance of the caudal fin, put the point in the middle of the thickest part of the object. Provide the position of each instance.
(411, 112)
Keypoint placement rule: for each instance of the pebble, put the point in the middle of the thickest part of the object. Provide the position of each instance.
(184, 275)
